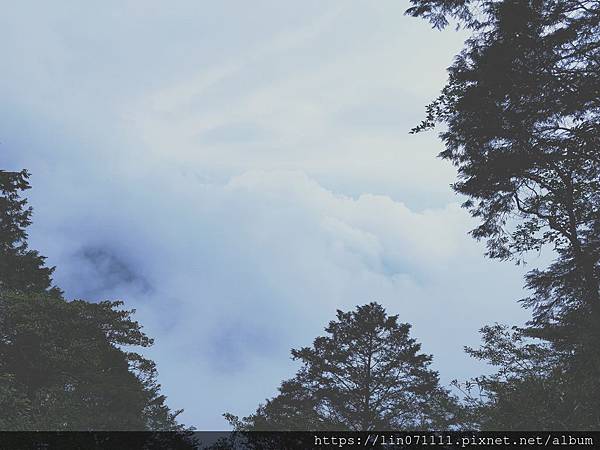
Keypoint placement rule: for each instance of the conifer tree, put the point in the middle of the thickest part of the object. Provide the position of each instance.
(367, 373)
(521, 117)
(21, 268)
(65, 365)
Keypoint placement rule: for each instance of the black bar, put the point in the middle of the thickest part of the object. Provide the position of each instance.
(223, 440)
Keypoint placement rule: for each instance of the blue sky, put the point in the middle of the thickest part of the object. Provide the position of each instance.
(236, 171)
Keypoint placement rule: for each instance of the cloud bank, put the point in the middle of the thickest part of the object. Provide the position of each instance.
(237, 172)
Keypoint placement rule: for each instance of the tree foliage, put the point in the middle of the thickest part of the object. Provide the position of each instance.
(21, 268)
(522, 116)
(66, 369)
(521, 111)
(366, 374)
(535, 387)
(64, 365)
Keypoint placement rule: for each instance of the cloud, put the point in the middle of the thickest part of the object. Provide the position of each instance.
(237, 172)
(245, 270)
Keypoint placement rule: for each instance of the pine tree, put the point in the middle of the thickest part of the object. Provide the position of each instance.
(366, 374)
(64, 365)
(21, 269)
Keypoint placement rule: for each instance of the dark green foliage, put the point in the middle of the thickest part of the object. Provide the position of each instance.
(521, 111)
(536, 387)
(66, 369)
(64, 365)
(366, 374)
(20, 268)
(437, 12)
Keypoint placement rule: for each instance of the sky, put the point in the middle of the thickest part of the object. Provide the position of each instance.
(236, 171)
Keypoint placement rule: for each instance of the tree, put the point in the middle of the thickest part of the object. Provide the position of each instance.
(366, 374)
(522, 110)
(64, 365)
(522, 115)
(536, 387)
(20, 268)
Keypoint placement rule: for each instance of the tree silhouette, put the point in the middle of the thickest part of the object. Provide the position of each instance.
(64, 365)
(20, 268)
(366, 374)
(536, 387)
(522, 116)
(522, 109)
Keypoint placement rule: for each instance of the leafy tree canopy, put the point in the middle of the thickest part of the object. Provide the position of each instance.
(521, 117)
(521, 112)
(366, 373)
(65, 365)
(535, 387)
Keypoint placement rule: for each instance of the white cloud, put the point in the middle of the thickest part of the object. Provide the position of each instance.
(241, 272)
(239, 170)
